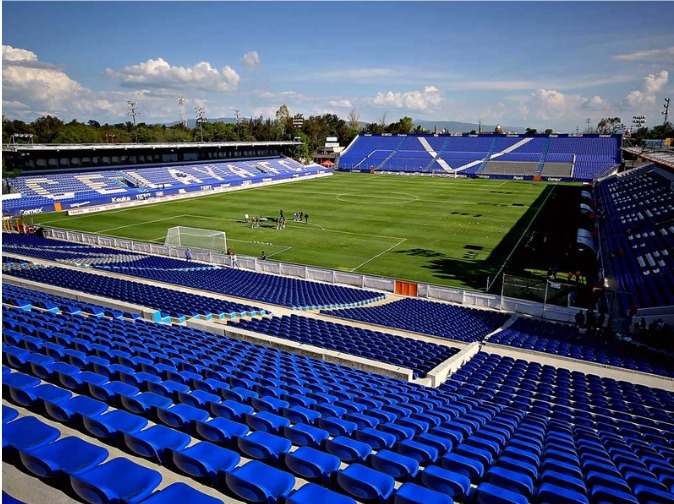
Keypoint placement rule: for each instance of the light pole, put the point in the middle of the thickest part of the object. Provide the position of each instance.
(201, 119)
(133, 112)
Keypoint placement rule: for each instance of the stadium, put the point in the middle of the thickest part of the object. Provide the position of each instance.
(232, 378)
(470, 302)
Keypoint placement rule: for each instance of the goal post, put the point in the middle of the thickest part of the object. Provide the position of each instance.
(197, 239)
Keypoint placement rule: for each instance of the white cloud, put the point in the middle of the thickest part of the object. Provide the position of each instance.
(653, 83)
(553, 105)
(10, 53)
(665, 54)
(428, 99)
(341, 103)
(159, 73)
(250, 60)
(28, 84)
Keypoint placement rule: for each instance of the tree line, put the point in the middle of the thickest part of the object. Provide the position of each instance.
(312, 131)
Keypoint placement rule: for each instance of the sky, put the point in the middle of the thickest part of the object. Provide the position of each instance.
(528, 64)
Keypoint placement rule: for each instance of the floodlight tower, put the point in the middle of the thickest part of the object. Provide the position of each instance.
(238, 131)
(183, 117)
(638, 122)
(588, 120)
(666, 111)
(201, 119)
(133, 112)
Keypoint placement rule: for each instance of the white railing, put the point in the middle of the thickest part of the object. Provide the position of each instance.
(432, 292)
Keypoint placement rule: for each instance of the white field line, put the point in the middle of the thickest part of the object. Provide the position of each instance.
(279, 251)
(521, 237)
(379, 254)
(139, 224)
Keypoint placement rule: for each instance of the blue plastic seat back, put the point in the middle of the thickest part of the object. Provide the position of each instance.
(410, 493)
(314, 494)
(180, 493)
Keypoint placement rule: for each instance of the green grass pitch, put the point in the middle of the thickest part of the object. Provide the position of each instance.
(435, 230)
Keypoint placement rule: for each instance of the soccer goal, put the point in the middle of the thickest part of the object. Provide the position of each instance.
(197, 239)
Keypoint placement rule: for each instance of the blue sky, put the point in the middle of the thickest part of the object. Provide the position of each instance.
(535, 64)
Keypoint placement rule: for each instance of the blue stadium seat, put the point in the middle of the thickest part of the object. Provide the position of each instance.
(473, 469)
(348, 450)
(311, 464)
(556, 494)
(179, 416)
(258, 482)
(365, 484)
(263, 446)
(111, 425)
(399, 466)
(143, 403)
(266, 421)
(488, 493)
(423, 453)
(205, 460)
(68, 455)
(115, 481)
(8, 414)
(154, 442)
(312, 494)
(446, 482)
(180, 492)
(377, 439)
(25, 433)
(410, 493)
(511, 480)
(220, 430)
(74, 408)
(305, 435)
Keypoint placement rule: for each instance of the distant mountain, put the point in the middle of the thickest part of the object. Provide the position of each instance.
(462, 127)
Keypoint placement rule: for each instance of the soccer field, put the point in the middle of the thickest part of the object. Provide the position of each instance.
(437, 230)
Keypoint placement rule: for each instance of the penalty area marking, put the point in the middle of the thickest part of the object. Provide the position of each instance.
(379, 254)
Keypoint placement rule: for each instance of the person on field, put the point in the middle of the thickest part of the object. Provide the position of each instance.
(306, 218)
(263, 256)
(188, 254)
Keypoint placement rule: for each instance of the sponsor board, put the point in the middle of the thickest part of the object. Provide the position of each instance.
(31, 211)
(121, 199)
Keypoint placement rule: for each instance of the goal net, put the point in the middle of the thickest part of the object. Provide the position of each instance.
(196, 239)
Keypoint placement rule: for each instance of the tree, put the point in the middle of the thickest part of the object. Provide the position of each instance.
(403, 126)
(283, 119)
(610, 125)
(548, 131)
(46, 128)
(531, 131)
(76, 132)
(354, 120)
